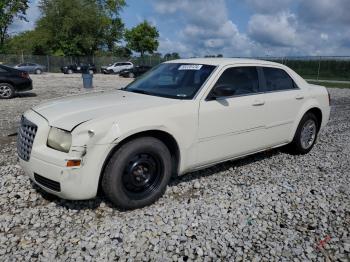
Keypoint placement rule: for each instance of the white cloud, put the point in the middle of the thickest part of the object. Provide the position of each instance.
(274, 30)
(325, 13)
(207, 28)
(167, 45)
(268, 6)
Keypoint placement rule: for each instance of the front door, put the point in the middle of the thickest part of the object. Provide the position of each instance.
(232, 126)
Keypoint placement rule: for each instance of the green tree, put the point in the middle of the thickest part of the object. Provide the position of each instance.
(113, 32)
(114, 29)
(29, 42)
(9, 9)
(171, 56)
(142, 38)
(80, 27)
(121, 51)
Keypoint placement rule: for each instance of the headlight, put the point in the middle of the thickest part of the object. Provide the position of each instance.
(59, 139)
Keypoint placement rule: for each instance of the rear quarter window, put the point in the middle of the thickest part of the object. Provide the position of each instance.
(277, 79)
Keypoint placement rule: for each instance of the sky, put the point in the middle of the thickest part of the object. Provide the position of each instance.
(240, 28)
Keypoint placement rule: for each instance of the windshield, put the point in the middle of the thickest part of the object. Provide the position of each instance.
(173, 80)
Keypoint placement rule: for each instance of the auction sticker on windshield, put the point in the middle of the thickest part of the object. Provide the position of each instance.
(190, 67)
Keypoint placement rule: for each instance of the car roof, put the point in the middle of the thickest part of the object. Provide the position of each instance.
(223, 61)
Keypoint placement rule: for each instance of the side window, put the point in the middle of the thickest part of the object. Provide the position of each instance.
(243, 80)
(277, 79)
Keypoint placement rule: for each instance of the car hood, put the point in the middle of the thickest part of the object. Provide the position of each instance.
(67, 113)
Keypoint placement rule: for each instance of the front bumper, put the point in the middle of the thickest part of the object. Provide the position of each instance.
(47, 167)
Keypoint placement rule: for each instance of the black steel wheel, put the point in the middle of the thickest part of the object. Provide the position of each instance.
(137, 174)
(142, 175)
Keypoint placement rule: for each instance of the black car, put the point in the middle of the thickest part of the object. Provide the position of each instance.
(77, 68)
(12, 81)
(135, 71)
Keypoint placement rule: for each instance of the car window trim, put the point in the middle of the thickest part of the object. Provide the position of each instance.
(226, 97)
(262, 83)
(194, 97)
(250, 94)
(261, 68)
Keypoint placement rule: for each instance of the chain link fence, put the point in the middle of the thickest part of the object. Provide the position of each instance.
(317, 68)
(53, 64)
(309, 67)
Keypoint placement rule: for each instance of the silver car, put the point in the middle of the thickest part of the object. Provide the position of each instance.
(31, 68)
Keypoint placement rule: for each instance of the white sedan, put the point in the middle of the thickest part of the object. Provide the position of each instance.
(182, 116)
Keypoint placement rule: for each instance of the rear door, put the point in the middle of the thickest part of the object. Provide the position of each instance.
(31, 67)
(232, 126)
(22, 67)
(117, 67)
(283, 99)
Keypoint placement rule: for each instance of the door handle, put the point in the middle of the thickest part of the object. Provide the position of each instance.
(299, 97)
(258, 103)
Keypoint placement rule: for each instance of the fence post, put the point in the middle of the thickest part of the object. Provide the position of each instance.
(48, 63)
(319, 67)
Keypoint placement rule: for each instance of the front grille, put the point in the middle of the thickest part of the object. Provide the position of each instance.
(50, 184)
(25, 138)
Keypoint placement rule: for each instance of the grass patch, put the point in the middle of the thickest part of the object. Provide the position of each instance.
(330, 85)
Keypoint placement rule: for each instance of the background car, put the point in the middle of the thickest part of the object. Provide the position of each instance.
(12, 81)
(31, 68)
(116, 67)
(77, 68)
(134, 72)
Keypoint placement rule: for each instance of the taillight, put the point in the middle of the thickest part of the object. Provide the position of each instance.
(24, 75)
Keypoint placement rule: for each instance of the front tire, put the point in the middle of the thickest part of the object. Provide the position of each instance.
(137, 173)
(7, 91)
(38, 71)
(306, 135)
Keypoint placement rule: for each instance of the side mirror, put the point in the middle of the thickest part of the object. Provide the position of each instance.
(221, 91)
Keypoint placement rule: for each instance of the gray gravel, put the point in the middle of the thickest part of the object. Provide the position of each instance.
(267, 207)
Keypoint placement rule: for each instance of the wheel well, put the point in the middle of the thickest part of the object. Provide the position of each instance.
(165, 137)
(318, 113)
(7, 82)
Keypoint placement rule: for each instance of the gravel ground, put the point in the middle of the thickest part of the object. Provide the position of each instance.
(267, 207)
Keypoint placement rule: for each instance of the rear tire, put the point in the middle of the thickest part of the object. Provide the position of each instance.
(137, 173)
(7, 91)
(131, 75)
(38, 71)
(305, 136)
